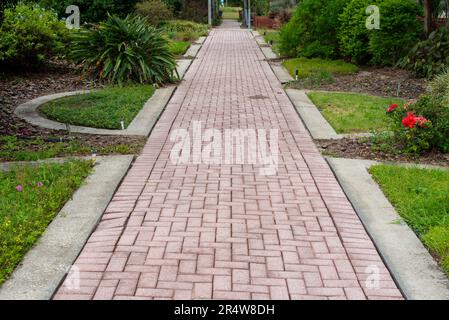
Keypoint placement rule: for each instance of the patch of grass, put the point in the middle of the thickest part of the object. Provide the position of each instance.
(308, 67)
(421, 198)
(231, 13)
(353, 112)
(14, 149)
(104, 108)
(25, 214)
(178, 48)
(271, 36)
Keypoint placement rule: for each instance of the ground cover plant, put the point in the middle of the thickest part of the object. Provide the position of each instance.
(104, 108)
(30, 197)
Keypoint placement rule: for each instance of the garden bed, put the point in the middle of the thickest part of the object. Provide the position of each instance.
(421, 198)
(104, 109)
(23, 141)
(30, 197)
(369, 80)
(363, 148)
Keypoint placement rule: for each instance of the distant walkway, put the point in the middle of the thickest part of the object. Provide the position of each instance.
(198, 231)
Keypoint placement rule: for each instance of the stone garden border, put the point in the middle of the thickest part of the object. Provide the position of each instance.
(140, 126)
(45, 265)
(413, 268)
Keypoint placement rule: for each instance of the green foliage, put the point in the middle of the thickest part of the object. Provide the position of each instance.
(260, 7)
(352, 33)
(429, 57)
(25, 214)
(312, 30)
(93, 10)
(399, 31)
(156, 11)
(184, 26)
(178, 47)
(100, 109)
(124, 51)
(434, 107)
(30, 34)
(421, 198)
(6, 4)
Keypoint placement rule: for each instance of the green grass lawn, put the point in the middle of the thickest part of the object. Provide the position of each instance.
(14, 149)
(101, 108)
(271, 35)
(178, 48)
(310, 67)
(25, 214)
(421, 197)
(231, 13)
(353, 112)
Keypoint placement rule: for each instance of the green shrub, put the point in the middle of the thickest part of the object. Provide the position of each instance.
(312, 30)
(124, 50)
(30, 34)
(429, 57)
(156, 11)
(93, 10)
(352, 33)
(6, 4)
(433, 106)
(183, 30)
(399, 31)
(260, 7)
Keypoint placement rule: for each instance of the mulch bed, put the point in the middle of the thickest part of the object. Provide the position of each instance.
(19, 87)
(356, 148)
(374, 81)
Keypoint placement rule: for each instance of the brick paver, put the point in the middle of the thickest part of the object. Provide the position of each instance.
(224, 231)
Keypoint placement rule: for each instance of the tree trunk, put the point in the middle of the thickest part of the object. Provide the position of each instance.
(428, 25)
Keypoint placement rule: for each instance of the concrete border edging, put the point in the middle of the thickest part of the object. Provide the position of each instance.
(45, 265)
(414, 269)
(278, 69)
(141, 125)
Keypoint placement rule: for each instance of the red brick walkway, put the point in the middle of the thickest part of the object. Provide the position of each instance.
(225, 231)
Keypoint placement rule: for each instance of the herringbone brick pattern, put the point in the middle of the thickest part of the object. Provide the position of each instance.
(224, 231)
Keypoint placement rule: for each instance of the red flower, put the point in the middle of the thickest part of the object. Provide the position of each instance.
(421, 121)
(392, 107)
(409, 121)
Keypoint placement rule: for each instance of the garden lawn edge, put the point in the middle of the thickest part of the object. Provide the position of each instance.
(46, 264)
(140, 126)
(410, 263)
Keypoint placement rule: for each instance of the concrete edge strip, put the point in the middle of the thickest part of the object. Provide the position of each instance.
(279, 70)
(46, 264)
(410, 263)
(141, 125)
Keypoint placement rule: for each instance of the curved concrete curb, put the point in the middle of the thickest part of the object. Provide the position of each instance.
(413, 268)
(46, 264)
(140, 126)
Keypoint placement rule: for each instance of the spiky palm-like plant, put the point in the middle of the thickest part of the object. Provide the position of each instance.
(122, 51)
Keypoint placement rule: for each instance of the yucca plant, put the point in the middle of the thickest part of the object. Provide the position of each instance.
(126, 50)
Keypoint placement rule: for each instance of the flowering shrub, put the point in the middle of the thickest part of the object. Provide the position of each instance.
(411, 131)
(424, 124)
